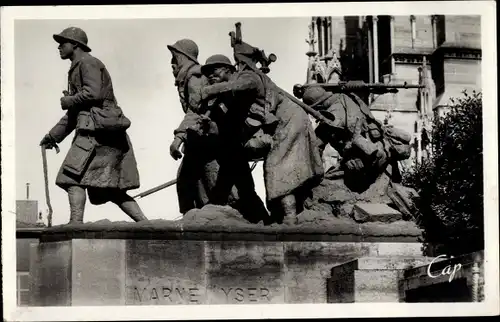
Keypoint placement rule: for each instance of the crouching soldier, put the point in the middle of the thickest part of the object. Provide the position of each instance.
(101, 158)
(368, 148)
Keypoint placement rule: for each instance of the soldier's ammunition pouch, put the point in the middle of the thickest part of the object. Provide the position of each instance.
(79, 155)
(399, 141)
(85, 122)
(109, 118)
(398, 135)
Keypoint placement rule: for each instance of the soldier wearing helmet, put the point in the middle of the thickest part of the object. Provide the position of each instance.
(184, 66)
(292, 162)
(231, 115)
(198, 171)
(101, 160)
(191, 188)
(245, 90)
(189, 81)
(367, 148)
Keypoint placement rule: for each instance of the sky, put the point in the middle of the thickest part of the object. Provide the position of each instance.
(135, 53)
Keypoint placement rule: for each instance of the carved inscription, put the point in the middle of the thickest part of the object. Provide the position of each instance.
(163, 295)
(246, 294)
(174, 295)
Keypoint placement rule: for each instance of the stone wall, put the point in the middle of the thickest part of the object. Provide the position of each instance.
(458, 74)
(463, 31)
(23, 253)
(109, 270)
(403, 32)
(462, 72)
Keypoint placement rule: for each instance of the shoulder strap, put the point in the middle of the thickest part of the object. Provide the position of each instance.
(195, 70)
(365, 109)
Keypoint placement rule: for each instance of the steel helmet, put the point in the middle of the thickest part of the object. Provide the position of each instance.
(217, 60)
(315, 94)
(73, 34)
(187, 47)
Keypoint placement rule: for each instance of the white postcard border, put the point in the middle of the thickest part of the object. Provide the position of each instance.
(490, 306)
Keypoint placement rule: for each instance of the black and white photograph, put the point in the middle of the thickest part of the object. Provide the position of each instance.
(234, 161)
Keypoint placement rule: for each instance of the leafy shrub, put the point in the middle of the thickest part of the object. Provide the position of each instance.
(450, 181)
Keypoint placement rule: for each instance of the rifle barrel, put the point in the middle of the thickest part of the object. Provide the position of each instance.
(155, 189)
(364, 86)
(170, 183)
(308, 109)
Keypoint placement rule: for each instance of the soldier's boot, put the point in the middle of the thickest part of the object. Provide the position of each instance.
(77, 198)
(129, 206)
(289, 207)
(253, 209)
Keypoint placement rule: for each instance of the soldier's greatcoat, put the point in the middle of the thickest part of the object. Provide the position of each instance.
(294, 159)
(294, 162)
(198, 171)
(235, 185)
(112, 164)
(391, 144)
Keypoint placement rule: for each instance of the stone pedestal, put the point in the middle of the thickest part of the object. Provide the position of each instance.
(152, 265)
(78, 272)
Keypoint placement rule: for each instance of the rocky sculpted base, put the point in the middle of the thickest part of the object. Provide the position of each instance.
(212, 221)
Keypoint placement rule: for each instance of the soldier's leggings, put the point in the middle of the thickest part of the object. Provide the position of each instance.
(77, 199)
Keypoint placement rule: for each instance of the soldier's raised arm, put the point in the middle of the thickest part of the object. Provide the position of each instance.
(246, 81)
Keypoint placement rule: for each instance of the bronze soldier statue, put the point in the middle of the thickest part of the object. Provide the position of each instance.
(232, 127)
(101, 159)
(369, 150)
(192, 180)
(198, 173)
(271, 126)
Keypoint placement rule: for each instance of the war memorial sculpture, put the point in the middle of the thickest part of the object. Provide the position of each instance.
(338, 234)
(233, 115)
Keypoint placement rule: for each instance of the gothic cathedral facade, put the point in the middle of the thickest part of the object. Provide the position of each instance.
(443, 53)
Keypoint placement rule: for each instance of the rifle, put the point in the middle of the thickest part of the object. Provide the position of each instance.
(358, 86)
(155, 189)
(242, 49)
(168, 184)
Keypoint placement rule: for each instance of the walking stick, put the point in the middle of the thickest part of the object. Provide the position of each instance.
(46, 177)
